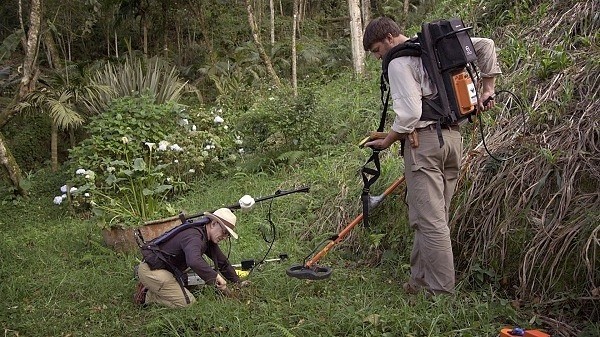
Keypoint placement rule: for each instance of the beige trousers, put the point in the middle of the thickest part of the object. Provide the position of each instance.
(431, 174)
(163, 287)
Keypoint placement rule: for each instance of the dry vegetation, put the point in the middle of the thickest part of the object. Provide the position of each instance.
(535, 218)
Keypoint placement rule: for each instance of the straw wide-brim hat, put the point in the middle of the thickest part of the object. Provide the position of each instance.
(226, 218)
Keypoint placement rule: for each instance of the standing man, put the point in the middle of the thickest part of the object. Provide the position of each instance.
(431, 170)
(162, 272)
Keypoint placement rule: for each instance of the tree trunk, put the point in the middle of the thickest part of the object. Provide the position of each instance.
(204, 29)
(11, 166)
(29, 64)
(261, 50)
(272, 8)
(55, 64)
(145, 34)
(165, 9)
(30, 73)
(23, 37)
(404, 15)
(366, 12)
(358, 53)
(294, 55)
(53, 55)
(116, 45)
(54, 147)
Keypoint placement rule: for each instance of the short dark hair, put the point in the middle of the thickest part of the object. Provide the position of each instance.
(378, 29)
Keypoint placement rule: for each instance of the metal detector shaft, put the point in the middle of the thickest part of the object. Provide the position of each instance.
(310, 270)
(238, 206)
(349, 227)
(276, 195)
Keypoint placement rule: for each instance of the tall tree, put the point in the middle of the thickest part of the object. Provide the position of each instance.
(30, 69)
(404, 15)
(30, 73)
(272, 10)
(358, 53)
(11, 166)
(261, 50)
(366, 12)
(294, 55)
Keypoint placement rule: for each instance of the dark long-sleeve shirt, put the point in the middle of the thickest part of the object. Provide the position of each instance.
(187, 249)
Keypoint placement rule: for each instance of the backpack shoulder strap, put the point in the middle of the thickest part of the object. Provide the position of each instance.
(411, 47)
(169, 234)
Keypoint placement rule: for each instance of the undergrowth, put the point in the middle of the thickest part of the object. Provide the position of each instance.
(60, 279)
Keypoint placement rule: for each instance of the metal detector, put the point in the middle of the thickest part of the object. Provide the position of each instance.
(246, 202)
(309, 270)
(245, 266)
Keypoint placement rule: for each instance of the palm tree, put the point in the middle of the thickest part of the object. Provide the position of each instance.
(65, 99)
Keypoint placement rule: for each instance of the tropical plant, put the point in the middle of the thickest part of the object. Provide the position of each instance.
(136, 75)
(140, 154)
(64, 98)
(135, 189)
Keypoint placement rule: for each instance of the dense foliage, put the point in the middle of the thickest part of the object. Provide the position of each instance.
(139, 154)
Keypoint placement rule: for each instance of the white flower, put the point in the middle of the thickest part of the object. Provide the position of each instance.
(125, 140)
(63, 188)
(184, 121)
(168, 179)
(220, 110)
(58, 200)
(87, 195)
(204, 154)
(64, 196)
(193, 128)
(175, 148)
(176, 161)
(241, 151)
(271, 98)
(87, 176)
(110, 169)
(150, 145)
(162, 145)
(239, 141)
(219, 120)
(192, 171)
(73, 189)
(80, 171)
(207, 147)
(225, 127)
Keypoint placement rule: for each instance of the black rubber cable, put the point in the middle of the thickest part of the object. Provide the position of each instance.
(522, 109)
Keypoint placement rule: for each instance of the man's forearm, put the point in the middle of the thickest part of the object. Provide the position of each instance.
(392, 137)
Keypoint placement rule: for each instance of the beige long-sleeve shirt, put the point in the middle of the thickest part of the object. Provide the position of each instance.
(409, 83)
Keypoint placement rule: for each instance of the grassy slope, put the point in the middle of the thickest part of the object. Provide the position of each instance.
(59, 279)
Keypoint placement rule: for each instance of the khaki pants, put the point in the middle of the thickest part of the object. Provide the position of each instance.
(163, 287)
(431, 174)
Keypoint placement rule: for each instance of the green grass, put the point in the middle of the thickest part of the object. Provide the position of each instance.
(59, 279)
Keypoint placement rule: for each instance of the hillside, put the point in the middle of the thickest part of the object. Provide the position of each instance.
(526, 228)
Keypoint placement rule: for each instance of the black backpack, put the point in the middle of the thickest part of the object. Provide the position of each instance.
(448, 56)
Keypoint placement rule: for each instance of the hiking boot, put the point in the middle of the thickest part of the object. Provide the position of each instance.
(139, 297)
(409, 289)
(414, 290)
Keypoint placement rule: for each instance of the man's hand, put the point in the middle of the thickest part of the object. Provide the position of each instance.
(377, 144)
(221, 283)
(486, 102)
(486, 99)
(413, 138)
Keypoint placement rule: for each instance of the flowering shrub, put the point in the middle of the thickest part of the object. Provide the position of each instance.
(139, 155)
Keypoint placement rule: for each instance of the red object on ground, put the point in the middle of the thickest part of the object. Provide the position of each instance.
(528, 333)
